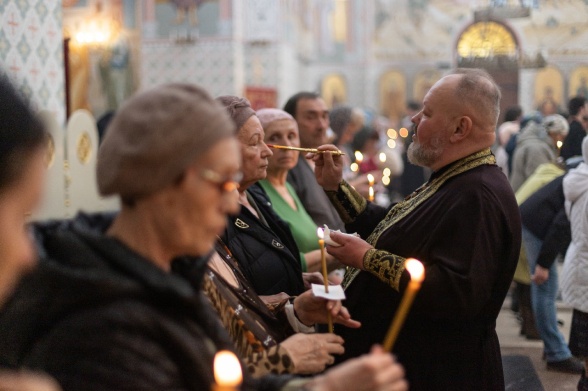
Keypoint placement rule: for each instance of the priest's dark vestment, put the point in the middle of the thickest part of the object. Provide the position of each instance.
(464, 225)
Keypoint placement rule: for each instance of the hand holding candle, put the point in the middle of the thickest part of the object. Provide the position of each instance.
(320, 234)
(227, 372)
(417, 275)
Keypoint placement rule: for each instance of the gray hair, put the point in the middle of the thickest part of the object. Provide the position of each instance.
(556, 124)
(478, 90)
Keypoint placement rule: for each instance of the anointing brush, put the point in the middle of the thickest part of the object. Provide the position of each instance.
(311, 150)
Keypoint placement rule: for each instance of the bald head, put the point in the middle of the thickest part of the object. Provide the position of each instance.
(458, 118)
(479, 95)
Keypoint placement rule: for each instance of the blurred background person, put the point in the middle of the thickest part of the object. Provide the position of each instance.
(546, 235)
(345, 121)
(510, 127)
(537, 144)
(413, 176)
(23, 142)
(578, 111)
(312, 116)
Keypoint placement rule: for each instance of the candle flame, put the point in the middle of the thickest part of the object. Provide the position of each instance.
(382, 157)
(416, 269)
(320, 233)
(227, 369)
(358, 156)
(559, 144)
(370, 179)
(354, 167)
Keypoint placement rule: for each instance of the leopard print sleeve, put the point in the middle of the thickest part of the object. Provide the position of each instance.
(261, 357)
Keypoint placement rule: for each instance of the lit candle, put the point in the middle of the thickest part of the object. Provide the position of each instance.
(382, 157)
(321, 236)
(559, 144)
(227, 372)
(417, 274)
(370, 179)
(358, 157)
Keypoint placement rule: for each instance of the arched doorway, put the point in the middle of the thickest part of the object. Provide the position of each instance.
(392, 88)
(334, 90)
(492, 45)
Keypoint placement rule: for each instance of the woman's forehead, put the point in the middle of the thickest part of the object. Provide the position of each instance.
(284, 124)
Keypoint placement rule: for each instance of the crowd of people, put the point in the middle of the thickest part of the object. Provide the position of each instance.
(214, 247)
(539, 154)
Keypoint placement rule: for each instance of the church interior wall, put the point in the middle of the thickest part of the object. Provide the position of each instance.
(31, 51)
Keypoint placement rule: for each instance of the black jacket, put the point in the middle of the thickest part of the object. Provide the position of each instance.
(97, 316)
(267, 254)
(572, 145)
(543, 214)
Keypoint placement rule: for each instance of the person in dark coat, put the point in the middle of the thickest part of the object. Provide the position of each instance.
(546, 234)
(463, 225)
(260, 240)
(23, 154)
(312, 116)
(572, 145)
(116, 303)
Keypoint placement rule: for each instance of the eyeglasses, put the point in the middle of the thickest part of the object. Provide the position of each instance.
(225, 185)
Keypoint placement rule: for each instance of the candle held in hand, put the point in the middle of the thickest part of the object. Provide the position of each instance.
(321, 236)
(227, 372)
(417, 275)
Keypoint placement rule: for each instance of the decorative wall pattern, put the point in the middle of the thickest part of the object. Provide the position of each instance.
(31, 51)
(211, 65)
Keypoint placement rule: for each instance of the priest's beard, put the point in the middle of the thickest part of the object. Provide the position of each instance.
(425, 156)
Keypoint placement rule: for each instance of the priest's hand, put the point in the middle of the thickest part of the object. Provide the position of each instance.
(351, 251)
(376, 371)
(328, 168)
(310, 309)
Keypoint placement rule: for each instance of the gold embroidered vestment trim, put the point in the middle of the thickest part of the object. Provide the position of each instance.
(386, 266)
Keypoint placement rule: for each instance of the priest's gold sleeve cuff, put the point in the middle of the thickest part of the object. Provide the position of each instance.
(384, 265)
(347, 201)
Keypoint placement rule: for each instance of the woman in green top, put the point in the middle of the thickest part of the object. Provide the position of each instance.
(281, 129)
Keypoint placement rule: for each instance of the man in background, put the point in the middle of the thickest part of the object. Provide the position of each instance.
(312, 116)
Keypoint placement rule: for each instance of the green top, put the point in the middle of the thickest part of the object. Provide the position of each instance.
(301, 224)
